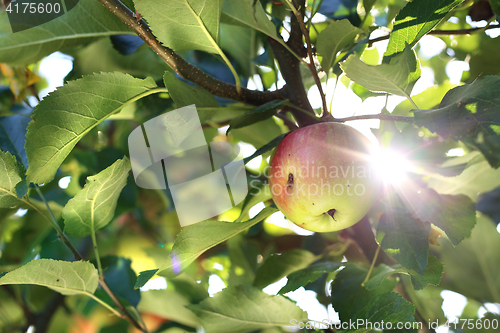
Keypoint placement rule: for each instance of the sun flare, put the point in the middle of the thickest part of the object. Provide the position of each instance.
(391, 166)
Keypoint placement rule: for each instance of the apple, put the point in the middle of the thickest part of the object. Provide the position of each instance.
(321, 177)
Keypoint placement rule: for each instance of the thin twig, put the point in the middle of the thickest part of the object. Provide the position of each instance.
(388, 117)
(126, 313)
(312, 67)
(290, 124)
(182, 67)
(54, 223)
(440, 33)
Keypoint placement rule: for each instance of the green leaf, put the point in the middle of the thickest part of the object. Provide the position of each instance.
(63, 117)
(101, 56)
(249, 13)
(11, 173)
(368, 4)
(83, 24)
(334, 38)
(309, 274)
(169, 305)
(195, 239)
(353, 302)
(479, 254)
(144, 277)
(454, 214)
(276, 266)
(265, 148)
(416, 19)
(240, 43)
(478, 177)
(405, 239)
(67, 278)
(94, 206)
(432, 276)
(260, 113)
(469, 113)
(495, 5)
(244, 308)
(381, 273)
(397, 77)
(184, 24)
(184, 94)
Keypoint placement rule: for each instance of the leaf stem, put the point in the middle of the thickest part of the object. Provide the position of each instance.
(371, 266)
(411, 101)
(216, 46)
(54, 223)
(106, 305)
(96, 252)
(388, 117)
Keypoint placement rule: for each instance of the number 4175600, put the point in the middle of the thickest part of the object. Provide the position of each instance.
(33, 8)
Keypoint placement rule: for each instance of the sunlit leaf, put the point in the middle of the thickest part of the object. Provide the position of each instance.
(195, 239)
(245, 308)
(416, 19)
(472, 267)
(168, 304)
(397, 77)
(184, 24)
(94, 206)
(67, 114)
(336, 36)
(67, 278)
(11, 174)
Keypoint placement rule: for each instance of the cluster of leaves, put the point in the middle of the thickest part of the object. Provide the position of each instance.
(130, 235)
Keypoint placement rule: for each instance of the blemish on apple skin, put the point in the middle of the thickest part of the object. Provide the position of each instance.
(290, 179)
(331, 212)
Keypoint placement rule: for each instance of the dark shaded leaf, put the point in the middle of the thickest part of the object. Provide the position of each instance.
(265, 148)
(144, 277)
(309, 274)
(469, 113)
(260, 113)
(126, 44)
(121, 278)
(276, 266)
(12, 136)
(353, 302)
(405, 239)
(489, 204)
